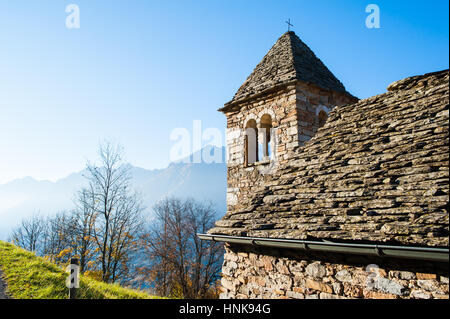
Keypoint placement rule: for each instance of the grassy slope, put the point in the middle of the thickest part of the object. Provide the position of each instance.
(32, 277)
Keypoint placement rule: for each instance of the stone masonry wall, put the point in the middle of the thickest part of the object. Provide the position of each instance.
(377, 171)
(294, 112)
(310, 100)
(250, 272)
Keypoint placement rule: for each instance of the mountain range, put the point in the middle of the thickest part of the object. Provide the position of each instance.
(24, 197)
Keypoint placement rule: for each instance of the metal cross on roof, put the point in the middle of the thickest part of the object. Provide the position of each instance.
(289, 24)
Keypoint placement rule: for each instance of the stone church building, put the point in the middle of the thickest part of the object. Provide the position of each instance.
(330, 196)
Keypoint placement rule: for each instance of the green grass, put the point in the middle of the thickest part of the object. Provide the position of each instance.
(32, 277)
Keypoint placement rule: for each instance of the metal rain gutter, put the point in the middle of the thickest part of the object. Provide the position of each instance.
(421, 253)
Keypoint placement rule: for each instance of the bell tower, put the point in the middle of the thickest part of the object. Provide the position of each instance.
(277, 109)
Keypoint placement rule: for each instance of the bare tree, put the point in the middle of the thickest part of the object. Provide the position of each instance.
(58, 239)
(159, 250)
(30, 233)
(83, 228)
(179, 260)
(104, 229)
(116, 211)
(207, 255)
(46, 236)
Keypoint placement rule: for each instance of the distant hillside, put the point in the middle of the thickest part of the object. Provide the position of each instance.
(31, 277)
(23, 197)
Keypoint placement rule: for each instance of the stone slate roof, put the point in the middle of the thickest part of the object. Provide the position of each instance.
(377, 171)
(289, 59)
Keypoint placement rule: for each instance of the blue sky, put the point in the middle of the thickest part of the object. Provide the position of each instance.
(137, 69)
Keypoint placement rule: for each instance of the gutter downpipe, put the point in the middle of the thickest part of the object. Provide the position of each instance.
(421, 253)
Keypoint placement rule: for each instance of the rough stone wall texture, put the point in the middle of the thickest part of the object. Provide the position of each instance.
(250, 272)
(294, 111)
(291, 85)
(377, 171)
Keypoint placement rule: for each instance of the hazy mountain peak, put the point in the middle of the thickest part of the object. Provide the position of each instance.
(207, 155)
(23, 197)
